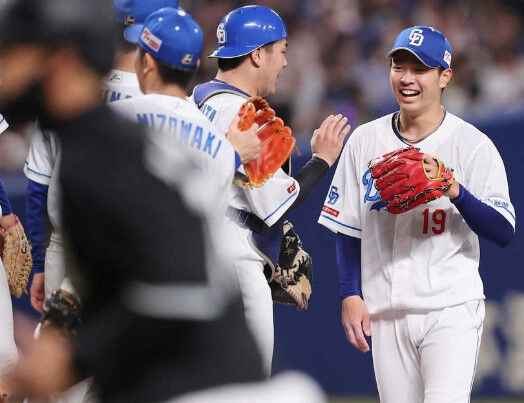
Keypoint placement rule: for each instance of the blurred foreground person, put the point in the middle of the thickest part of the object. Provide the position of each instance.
(153, 327)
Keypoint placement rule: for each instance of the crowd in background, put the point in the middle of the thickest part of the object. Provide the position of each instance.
(337, 64)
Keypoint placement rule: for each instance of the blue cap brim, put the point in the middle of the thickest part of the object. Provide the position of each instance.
(132, 33)
(428, 61)
(231, 52)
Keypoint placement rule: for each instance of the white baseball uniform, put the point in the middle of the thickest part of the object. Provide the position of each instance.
(420, 276)
(269, 203)
(8, 352)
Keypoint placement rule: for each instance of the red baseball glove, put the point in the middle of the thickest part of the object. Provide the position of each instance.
(403, 181)
(277, 141)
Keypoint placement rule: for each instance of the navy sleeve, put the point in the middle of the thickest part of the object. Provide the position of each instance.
(37, 222)
(484, 220)
(4, 201)
(238, 161)
(348, 263)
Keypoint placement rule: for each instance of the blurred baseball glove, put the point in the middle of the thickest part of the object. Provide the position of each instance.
(277, 142)
(61, 311)
(403, 182)
(291, 281)
(16, 256)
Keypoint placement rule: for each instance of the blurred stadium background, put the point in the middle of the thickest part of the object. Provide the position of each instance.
(336, 64)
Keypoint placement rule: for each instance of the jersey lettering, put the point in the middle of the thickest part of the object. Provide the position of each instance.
(330, 211)
(372, 194)
(185, 130)
(197, 138)
(208, 112)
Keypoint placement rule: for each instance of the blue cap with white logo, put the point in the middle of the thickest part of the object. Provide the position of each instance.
(247, 28)
(131, 12)
(429, 45)
(172, 36)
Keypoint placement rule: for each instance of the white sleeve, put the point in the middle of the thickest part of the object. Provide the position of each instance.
(485, 178)
(41, 157)
(124, 108)
(3, 124)
(272, 200)
(341, 210)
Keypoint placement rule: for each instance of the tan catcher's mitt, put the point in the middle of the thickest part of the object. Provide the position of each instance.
(16, 256)
(277, 141)
(291, 282)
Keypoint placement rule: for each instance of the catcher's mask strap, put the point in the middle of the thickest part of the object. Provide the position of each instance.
(174, 301)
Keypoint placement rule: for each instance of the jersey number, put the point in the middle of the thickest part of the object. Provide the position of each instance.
(439, 219)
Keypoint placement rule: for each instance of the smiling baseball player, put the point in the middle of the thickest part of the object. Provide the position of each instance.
(251, 55)
(422, 294)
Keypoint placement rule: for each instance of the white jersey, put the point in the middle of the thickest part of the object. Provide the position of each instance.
(180, 120)
(3, 124)
(426, 258)
(270, 201)
(120, 85)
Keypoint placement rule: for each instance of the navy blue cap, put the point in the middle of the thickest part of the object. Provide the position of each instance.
(247, 28)
(429, 45)
(172, 36)
(131, 12)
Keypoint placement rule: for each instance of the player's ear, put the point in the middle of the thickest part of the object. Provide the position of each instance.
(256, 57)
(149, 64)
(198, 63)
(445, 78)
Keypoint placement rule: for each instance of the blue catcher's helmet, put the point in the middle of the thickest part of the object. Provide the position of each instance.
(247, 28)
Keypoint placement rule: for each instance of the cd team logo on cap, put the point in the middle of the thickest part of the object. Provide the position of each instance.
(429, 45)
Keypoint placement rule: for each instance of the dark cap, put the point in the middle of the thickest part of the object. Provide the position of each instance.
(85, 24)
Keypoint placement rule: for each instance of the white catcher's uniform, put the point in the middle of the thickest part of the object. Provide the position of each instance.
(420, 276)
(8, 352)
(269, 203)
(42, 166)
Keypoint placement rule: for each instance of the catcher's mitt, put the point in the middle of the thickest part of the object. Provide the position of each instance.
(277, 142)
(291, 281)
(16, 256)
(61, 311)
(403, 182)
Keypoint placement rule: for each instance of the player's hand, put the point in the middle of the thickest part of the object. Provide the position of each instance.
(37, 292)
(328, 139)
(355, 318)
(431, 168)
(7, 221)
(246, 143)
(44, 367)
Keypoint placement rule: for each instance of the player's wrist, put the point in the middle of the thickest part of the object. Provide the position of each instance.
(453, 191)
(324, 157)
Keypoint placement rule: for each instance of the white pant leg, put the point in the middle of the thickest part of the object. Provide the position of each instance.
(54, 267)
(395, 359)
(449, 353)
(258, 307)
(8, 352)
(256, 294)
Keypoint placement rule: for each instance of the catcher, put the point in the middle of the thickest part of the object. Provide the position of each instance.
(250, 58)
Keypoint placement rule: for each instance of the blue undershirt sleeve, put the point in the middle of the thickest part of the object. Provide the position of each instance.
(238, 161)
(484, 220)
(348, 263)
(37, 222)
(4, 201)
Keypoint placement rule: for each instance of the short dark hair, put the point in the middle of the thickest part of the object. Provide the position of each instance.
(227, 64)
(123, 44)
(171, 74)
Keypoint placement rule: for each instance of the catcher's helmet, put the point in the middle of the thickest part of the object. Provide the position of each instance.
(247, 28)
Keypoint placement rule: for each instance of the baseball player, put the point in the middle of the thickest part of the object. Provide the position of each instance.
(169, 47)
(43, 194)
(251, 55)
(422, 294)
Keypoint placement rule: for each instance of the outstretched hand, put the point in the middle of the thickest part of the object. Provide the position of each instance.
(246, 143)
(355, 319)
(328, 139)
